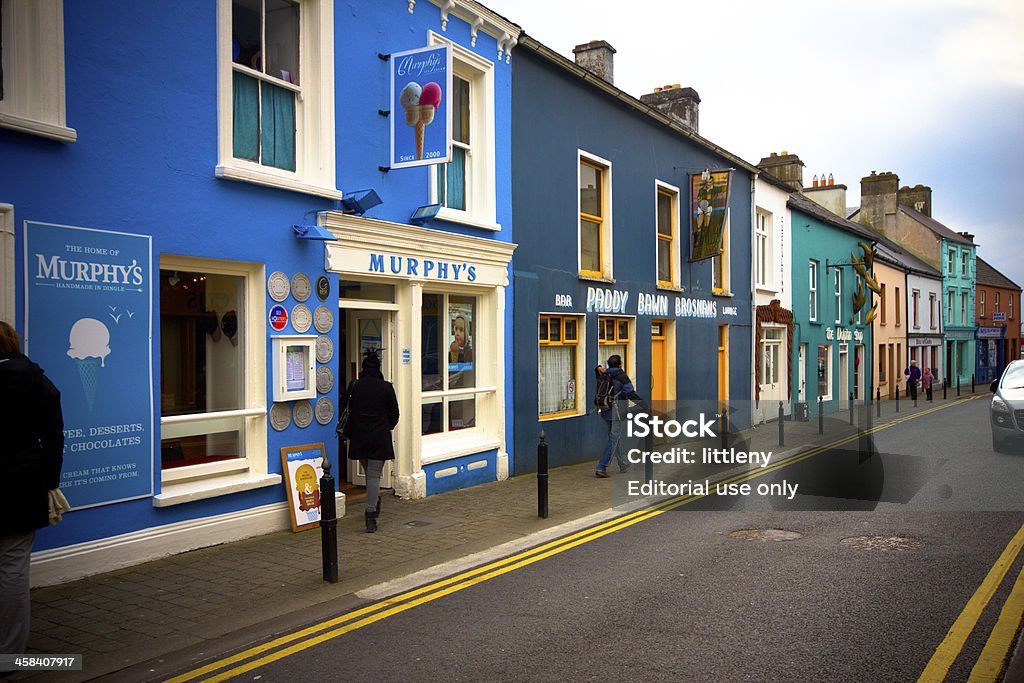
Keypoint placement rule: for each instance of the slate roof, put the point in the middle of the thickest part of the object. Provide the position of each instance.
(989, 276)
(933, 225)
(803, 204)
(888, 252)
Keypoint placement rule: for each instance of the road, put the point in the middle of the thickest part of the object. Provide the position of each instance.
(845, 582)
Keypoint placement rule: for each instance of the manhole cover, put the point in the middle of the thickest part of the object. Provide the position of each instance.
(884, 543)
(765, 535)
(417, 523)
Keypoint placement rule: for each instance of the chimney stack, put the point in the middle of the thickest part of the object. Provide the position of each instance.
(827, 194)
(967, 235)
(786, 167)
(678, 103)
(919, 198)
(597, 57)
(878, 200)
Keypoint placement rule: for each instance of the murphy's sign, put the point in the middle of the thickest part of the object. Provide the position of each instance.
(417, 266)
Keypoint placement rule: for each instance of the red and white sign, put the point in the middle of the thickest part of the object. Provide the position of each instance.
(278, 317)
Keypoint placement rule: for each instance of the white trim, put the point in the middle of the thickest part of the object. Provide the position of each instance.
(7, 263)
(41, 128)
(453, 216)
(434, 451)
(262, 177)
(69, 563)
(607, 260)
(189, 491)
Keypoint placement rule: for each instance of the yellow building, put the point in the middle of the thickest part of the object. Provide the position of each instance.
(890, 325)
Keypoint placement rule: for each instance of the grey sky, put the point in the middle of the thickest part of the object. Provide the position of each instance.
(932, 90)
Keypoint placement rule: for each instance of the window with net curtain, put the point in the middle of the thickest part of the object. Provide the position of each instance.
(452, 177)
(613, 340)
(558, 380)
(266, 82)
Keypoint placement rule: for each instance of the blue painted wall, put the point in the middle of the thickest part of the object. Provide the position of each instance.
(145, 110)
(554, 115)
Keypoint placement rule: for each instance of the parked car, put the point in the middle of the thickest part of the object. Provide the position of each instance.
(1007, 410)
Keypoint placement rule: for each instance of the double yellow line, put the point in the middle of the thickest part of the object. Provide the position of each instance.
(293, 643)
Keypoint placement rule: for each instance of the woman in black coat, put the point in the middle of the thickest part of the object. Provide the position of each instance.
(373, 413)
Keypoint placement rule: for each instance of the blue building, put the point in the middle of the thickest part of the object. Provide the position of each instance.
(602, 209)
(195, 265)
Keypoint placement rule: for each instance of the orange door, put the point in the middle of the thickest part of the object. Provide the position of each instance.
(659, 373)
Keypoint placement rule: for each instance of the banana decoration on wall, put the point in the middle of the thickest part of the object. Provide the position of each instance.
(864, 266)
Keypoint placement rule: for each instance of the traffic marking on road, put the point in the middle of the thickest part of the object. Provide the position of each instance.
(293, 643)
(993, 657)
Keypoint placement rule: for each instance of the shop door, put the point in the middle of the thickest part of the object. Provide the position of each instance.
(844, 374)
(890, 376)
(802, 370)
(659, 371)
(368, 330)
(858, 370)
(723, 366)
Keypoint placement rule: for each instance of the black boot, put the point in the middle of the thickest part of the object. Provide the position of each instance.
(371, 521)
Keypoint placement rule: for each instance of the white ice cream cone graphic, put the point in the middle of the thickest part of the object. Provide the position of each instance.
(420, 105)
(89, 346)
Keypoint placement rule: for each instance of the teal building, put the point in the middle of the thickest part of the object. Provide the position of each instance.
(959, 276)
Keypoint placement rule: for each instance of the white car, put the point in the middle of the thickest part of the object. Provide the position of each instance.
(1007, 410)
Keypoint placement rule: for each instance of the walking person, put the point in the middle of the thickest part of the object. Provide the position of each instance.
(927, 379)
(913, 375)
(614, 390)
(30, 462)
(373, 413)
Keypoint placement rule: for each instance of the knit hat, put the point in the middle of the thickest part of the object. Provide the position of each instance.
(371, 361)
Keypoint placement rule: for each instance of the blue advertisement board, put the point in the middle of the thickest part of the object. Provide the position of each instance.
(421, 121)
(88, 324)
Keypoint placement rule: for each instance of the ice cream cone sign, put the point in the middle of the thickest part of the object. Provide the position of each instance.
(420, 108)
(420, 105)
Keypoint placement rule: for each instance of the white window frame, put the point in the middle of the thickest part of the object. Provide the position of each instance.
(767, 365)
(981, 303)
(481, 202)
(763, 273)
(724, 261)
(674, 250)
(951, 261)
(860, 311)
(963, 264)
(33, 68)
(581, 374)
(932, 299)
(995, 303)
(915, 295)
(963, 307)
(194, 482)
(828, 375)
(838, 285)
(607, 273)
(812, 288)
(949, 307)
(315, 164)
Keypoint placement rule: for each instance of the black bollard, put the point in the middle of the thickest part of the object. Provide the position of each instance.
(851, 408)
(897, 396)
(958, 386)
(542, 476)
(782, 425)
(972, 383)
(821, 415)
(328, 525)
(945, 383)
(878, 401)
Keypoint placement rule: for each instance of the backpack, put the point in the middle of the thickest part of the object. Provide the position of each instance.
(605, 396)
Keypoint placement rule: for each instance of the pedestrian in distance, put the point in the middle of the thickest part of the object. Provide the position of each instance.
(614, 391)
(373, 413)
(30, 462)
(927, 379)
(913, 375)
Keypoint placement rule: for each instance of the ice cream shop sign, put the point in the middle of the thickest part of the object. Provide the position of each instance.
(88, 323)
(421, 121)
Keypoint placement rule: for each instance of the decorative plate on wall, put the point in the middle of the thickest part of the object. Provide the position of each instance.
(301, 286)
(323, 288)
(302, 413)
(301, 317)
(280, 416)
(324, 410)
(324, 349)
(277, 286)
(324, 379)
(323, 319)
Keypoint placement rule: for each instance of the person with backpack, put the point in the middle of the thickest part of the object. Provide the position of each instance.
(614, 389)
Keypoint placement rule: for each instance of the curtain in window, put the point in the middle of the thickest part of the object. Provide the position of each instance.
(609, 350)
(456, 172)
(246, 117)
(557, 367)
(278, 127)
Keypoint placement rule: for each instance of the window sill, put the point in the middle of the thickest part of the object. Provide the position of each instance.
(248, 175)
(766, 289)
(187, 492)
(672, 288)
(455, 216)
(447, 446)
(595, 278)
(722, 293)
(42, 128)
(559, 416)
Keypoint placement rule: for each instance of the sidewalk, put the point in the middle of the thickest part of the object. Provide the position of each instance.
(132, 615)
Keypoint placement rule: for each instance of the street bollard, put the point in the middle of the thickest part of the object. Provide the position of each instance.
(782, 425)
(945, 383)
(958, 386)
(897, 396)
(328, 525)
(542, 476)
(821, 415)
(972, 383)
(878, 401)
(851, 408)
(914, 392)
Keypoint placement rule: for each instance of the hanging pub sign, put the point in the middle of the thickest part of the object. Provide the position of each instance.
(709, 206)
(88, 324)
(421, 122)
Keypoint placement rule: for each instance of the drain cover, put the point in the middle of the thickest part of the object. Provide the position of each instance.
(884, 543)
(417, 523)
(765, 535)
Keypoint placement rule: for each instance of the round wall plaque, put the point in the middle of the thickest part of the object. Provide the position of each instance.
(277, 286)
(324, 379)
(323, 319)
(324, 410)
(280, 416)
(301, 287)
(323, 288)
(302, 413)
(301, 317)
(324, 349)
(278, 317)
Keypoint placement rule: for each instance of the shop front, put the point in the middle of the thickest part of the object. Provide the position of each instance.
(990, 353)
(434, 304)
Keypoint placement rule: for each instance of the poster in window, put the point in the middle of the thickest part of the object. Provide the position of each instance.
(460, 340)
(421, 122)
(822, 370)
(296, 363)
(88, 322)
(303, 467)
(709, 203)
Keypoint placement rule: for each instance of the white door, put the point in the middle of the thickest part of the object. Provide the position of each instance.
(369, 330)
(844, 374)
(801, 392)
